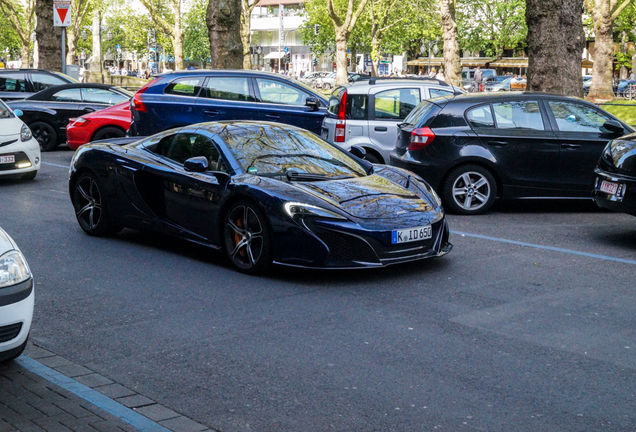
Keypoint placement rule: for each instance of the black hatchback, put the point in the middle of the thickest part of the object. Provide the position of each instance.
(473, 149)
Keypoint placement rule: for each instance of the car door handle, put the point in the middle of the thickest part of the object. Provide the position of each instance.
(380, 129)
(211, 112)
(88, 109)
(498, 143)
(570, 145)
(272, 117)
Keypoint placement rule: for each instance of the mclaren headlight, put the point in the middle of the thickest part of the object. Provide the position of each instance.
(295, 209)
(13, 269)
(25, 133)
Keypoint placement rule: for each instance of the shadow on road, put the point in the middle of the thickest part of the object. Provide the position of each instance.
(548, 206)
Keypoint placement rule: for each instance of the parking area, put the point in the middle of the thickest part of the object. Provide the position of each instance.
(527, 325)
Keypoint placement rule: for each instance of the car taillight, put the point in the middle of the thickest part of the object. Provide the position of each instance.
(136, 103)
(341, 123)
(79, 122)
(420, 138)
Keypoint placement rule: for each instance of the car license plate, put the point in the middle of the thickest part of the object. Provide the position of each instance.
(608, 187)
(7, 159)
(411, 234)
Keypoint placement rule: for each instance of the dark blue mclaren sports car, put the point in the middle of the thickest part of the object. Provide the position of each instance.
(264, 192)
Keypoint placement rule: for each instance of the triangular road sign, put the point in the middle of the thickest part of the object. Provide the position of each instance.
(62, 13)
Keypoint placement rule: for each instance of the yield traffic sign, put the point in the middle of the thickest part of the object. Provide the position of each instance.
(61, 13)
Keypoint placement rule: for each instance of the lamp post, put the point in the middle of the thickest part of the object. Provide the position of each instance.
(429, 46)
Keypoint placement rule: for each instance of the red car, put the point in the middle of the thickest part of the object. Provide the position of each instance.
(111, 122)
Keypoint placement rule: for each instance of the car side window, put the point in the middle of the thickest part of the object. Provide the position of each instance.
(357, 107)
(439, 92)
(184, 86)
(576, 117)
(396, 104)
(12, 82)
(67, 95)
(183, 146)
(518, 115)
(480, 117)
(43, 81)
(102, 96)
(228, 88)
(280, 93)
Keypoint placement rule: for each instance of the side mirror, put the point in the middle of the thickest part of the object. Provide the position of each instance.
(196, 164)
(18, 112)
(312, 103)
(571, 118)
(614, 127)
(358, 152)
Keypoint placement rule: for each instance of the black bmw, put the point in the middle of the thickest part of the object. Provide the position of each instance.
(263, 192)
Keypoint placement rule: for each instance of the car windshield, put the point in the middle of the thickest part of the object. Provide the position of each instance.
(269, 150)
(66, 77)
(5, 112)
(505, 82)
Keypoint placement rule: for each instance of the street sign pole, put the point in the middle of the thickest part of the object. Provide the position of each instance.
(62, 18)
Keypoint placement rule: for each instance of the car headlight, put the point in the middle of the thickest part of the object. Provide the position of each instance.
(13, 269)
(25, 133)
(295, 209)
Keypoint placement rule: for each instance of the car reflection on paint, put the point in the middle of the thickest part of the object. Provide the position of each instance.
(263, 192)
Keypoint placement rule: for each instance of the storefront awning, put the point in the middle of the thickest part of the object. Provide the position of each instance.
(274, 55)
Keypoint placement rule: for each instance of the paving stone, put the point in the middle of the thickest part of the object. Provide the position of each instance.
(73, 408)
(157, 412)
(73, 370)
(27, 426)
(47, 407)
(81, 424)
(6, 427)
(36, 352)
(53, 424)
(107, 427)
(93, 380)
(182, 424)
(55, 361)
(135, 401)
(115, 391)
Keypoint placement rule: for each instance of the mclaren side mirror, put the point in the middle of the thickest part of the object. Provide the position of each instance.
(358, 152)
(312, 103)
(196, 164)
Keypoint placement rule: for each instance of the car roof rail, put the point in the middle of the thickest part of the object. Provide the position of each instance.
(373, 80)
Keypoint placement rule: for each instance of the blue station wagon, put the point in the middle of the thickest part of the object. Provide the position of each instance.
(185, 97)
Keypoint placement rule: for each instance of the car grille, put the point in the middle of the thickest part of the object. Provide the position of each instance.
(339, 249)
(10, 332)
(20, 157)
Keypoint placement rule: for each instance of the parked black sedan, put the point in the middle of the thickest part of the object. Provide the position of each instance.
(615, 186)
(475, 148)
(48, 112)
(263, 192)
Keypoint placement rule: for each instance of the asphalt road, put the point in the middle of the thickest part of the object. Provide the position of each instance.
(493, 337)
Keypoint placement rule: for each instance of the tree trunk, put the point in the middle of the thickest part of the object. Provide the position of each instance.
(25, 53)
(555, 46)
(71, 57)
(48, 37)
(245, 42)
(601, 87)
(342, 42)
(224, 30)
(624, 50)
(452, 62)
(177, 38)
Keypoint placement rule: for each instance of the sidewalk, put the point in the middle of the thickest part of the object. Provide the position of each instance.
(41, 391)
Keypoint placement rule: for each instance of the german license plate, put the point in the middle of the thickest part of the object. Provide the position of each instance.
(411, 234)
(7, 159)
(608, 187)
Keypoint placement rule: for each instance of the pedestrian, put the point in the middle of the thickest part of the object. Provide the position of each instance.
(478, 78)
(631, 75)
(440, 75)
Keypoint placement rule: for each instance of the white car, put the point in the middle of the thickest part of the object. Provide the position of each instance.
(17, 297)
(19, 151)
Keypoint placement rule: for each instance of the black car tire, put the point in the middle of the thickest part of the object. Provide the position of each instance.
(247, 237)
(13, 353)
(108, 132)
(90, 209)
(30, 175)
(469, 190)
(45, 135)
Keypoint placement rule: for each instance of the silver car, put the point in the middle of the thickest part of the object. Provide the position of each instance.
(366, 113)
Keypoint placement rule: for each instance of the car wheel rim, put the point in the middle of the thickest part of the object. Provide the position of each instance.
(471, 191)
(42, 134)
(244, 236)
(88, 203)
